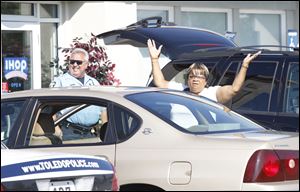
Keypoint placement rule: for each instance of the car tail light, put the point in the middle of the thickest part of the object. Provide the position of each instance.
(115, 185)
(272, 166)
(290, 163)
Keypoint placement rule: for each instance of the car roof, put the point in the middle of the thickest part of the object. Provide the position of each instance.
(114, 93)
(102, 91)
(232, 51)
(176, 40)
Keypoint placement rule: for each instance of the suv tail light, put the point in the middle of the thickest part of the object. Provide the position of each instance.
(272, 166)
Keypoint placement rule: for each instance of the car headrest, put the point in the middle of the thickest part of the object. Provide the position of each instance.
(37, 130)
(46, 122)
(103, 131)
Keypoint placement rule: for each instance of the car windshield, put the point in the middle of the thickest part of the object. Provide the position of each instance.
(192, 114)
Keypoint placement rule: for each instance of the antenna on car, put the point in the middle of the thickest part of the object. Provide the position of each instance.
(155, 21)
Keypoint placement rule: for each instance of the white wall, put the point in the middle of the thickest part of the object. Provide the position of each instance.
(80, 19)
(133, 65)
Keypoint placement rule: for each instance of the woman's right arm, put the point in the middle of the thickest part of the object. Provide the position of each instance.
(158, 77)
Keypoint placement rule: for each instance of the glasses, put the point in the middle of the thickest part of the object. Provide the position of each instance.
(197, 77)
(79, 62)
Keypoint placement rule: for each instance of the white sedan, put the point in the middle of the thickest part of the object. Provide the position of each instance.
(157, 139)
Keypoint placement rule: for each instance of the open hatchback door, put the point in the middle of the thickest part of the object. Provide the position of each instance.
(176, 40)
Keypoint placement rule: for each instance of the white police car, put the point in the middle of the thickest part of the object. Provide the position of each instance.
(28, 170)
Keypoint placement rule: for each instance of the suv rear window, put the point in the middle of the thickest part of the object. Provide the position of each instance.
(181, 76)
(292, 89)
(257, 87)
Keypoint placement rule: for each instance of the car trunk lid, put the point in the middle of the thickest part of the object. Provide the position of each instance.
(278, 140)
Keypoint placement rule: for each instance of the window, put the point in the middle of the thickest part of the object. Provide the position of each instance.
(259, 28)
(48, 11)
(17, 60)
(26, 9)
(182, 116)
(48, 53)
(230, 74)
(257, 87)
(165, 12)
(69, 123)
(181, 76)
(218, 20)
(10, 111)
(126, 123)
(150, 13)
(292, 89)
(191, 115)
(30, 31)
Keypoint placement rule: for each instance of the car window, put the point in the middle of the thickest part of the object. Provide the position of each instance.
(3, 146)
(229, 76)
(10, 111)
(126, 123)
(191, 115)
(292, 89)
(180, 77)
(257, 88)
(69, 123)
(182, 116)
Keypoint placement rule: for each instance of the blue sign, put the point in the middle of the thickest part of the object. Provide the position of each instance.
(55, 165)
(16, 67)
(292, 38)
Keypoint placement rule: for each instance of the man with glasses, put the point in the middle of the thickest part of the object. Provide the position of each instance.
(197, 78)
(76, 76)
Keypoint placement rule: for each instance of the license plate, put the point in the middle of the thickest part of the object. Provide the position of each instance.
(62, 186)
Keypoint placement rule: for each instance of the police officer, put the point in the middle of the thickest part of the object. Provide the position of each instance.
(76, 76)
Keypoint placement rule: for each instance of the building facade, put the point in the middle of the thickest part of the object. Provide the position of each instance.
(34, 33)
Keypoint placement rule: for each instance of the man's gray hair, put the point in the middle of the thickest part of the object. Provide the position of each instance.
(80, 50)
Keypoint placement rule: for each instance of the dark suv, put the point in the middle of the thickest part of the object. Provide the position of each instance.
(270, 94)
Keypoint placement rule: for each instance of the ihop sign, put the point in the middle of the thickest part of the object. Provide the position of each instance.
(16, 67)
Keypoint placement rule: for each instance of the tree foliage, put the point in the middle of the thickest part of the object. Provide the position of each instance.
(100, 67)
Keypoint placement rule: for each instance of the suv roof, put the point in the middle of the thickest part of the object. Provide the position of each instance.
(232, 51)
(183, 39)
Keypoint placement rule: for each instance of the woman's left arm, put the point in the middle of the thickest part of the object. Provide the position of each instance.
(226, 92)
